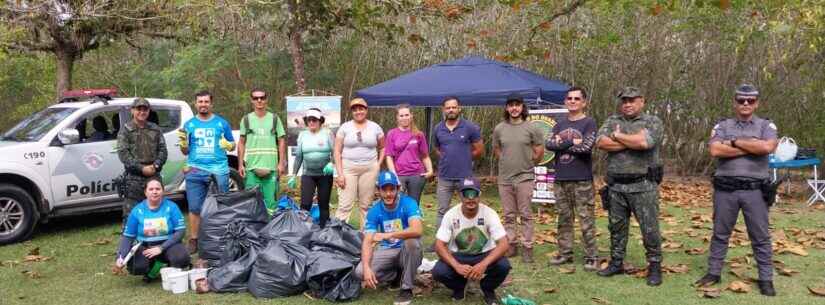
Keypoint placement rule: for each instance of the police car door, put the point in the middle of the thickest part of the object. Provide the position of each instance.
(83, 173)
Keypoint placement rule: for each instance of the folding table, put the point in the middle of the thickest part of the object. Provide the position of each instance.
(816, 185)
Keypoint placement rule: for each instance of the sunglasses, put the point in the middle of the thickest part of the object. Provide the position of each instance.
(259, 98)
(742, 101)
(573, 98)
(469, 194)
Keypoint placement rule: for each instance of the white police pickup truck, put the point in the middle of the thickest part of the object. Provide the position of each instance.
(63, 160)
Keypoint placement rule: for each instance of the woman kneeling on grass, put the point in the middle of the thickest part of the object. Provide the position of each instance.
(157, 224)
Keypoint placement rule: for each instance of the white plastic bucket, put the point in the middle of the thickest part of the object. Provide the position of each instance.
(179, 281)
(196, 274)
(164, 274)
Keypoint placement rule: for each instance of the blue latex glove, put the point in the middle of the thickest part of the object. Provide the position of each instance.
(291, 183)
(329, 170)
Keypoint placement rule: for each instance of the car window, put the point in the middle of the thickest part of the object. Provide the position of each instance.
(168, 118)
(99, 126)
(37, 125)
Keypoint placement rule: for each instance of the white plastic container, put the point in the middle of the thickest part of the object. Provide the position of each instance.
(179, 281)
(196, 274)
(164, 274)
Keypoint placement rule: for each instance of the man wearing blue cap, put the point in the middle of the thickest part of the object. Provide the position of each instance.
(394, 223)
(471, 243)
(741, 146)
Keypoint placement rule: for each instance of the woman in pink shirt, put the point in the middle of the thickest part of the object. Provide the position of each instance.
(407, 154)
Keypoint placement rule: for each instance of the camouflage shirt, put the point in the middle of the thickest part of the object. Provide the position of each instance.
(629, 161)
(136, 148)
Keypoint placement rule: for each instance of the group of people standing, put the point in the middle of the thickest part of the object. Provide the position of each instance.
(472, 242)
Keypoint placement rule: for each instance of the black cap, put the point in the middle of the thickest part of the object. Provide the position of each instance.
(514, 97)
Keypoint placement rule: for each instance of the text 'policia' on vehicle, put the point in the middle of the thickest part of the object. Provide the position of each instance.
(62, 160)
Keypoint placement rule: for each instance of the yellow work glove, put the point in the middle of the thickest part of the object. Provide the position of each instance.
(226, 145)
(183, 138)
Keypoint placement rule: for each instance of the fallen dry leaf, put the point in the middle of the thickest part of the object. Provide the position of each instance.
(739, 287)
(600, 300)
(31, 274)
(98, 242)
(565, 270)
(710, 292)
(696, 251)
(786, 271)
(551, 290)
(35, 258)
(798, 250)
(740, 274)
(819, 291)
(678, 268)
(34, 251)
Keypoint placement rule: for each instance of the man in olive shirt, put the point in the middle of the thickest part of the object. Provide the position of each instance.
(631, 140)
(518, 146)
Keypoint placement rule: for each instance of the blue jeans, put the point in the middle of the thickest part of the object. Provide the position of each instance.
(197, 186)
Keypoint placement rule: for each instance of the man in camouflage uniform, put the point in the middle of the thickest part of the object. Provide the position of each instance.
(142, 150)
(631, 140)
(741, 146)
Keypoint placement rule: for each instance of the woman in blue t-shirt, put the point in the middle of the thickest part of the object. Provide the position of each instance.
(157, 224)
(314, 152)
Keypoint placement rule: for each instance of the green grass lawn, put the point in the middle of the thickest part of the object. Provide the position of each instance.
(78, 271)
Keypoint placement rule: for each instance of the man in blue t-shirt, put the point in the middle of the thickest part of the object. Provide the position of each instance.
(457, 142)
(394, 223)
(205, 139)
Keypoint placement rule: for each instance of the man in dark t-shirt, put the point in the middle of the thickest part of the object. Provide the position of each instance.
(572, 141)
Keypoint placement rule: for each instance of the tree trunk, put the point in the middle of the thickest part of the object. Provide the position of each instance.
(65, 64)
(296, 49)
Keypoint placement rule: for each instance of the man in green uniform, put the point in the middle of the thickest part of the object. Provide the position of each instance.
(631, 140)
(262, 148)
(142, 150)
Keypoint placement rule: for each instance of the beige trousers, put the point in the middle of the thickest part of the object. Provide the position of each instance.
(360, 185)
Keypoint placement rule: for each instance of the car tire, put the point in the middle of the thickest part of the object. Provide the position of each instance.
(236, 182)
(17, 214)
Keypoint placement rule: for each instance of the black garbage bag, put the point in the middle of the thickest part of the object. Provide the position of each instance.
(233, 276)
(279, 270)
(338, 236)
(222, 209)
(331, 275)
(293, 226)
(239, 239)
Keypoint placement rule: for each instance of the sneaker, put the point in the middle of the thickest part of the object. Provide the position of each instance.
(527, 255)
(708, 280)
(404, 297)
(615, 267)
(459, 295)
(193, 246)
(591, 264)
(512, 251)
(766, 288)
(490, 298)
(395, 284)
(560, 259)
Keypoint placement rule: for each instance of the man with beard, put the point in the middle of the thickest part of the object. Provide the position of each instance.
(142, 150)
(394, 223)
(205, 138)
(471, 243)
(518, 146)
(741, 146)
(631, 140)
(457, 142)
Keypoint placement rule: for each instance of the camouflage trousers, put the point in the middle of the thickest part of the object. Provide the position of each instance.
(575, 198)
(643, 205)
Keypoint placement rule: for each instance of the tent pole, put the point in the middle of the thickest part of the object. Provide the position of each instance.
(428, 117)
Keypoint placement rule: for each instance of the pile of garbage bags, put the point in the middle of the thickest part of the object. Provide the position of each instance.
(285, 256)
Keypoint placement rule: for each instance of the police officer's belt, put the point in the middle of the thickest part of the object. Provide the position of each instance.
(625, 178)
(729, 184)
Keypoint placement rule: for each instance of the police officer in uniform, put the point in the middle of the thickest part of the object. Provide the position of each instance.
(741, 146)
(631, 140)
(142, 150)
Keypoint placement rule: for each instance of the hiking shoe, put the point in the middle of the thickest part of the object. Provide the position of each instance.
(708, 280)
(404, 297)
(490, 298)
(560, 259)
(512, 251)
(193, 246)
(591, 264)
(527, 256)
(615, 267)
(766, 288)
(654, 274)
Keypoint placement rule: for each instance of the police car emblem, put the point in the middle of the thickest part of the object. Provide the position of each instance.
(92, 160)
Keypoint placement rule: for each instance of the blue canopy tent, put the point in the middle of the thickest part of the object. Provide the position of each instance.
(475, 80)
